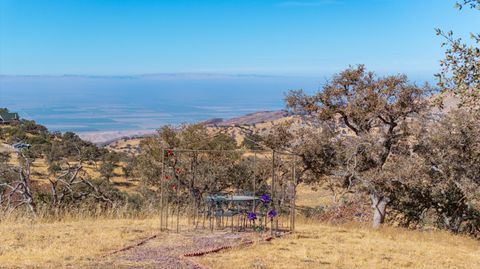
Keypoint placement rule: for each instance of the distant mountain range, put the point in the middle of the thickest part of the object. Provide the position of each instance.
(249, 119)
(107, 137)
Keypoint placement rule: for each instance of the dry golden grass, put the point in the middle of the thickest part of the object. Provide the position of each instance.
(76, 243)
(353, 246)
(307, 197)
(5, 147)
(125, 145)
(82, 243)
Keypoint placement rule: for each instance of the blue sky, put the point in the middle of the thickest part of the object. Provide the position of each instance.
(274, 37)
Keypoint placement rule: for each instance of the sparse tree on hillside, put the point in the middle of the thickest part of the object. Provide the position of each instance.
(65, 154)
(16, 186)
(128, 168)
(460, 70)
(451, 153)
(278, 138)
(211, 171)
(252, 141)
(71, 185)
(109, 162)
(369, 117)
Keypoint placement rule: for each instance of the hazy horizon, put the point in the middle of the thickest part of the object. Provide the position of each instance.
(90, 104)
(82, 103)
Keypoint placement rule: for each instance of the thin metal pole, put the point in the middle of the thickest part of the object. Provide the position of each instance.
(162, 189)
(205, 210)
(173, 214)
(210, 211)
(178, 205)
(167, 202)
(294, 194)
(273, 188)
(254, 181)
(194, 170)
(166, 212)
(197, 216)
(238, 217)
(188, 210)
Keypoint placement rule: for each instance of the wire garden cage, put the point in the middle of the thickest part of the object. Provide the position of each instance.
(236, 190)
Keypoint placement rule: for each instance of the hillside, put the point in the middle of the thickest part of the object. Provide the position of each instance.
(237, 128)
(107, 137)
(39, 168)
(250, 119)
(116, 139)
(129, 141)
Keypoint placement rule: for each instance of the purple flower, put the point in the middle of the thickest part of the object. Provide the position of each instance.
(265, 199)
(251, 216)
(272, 213)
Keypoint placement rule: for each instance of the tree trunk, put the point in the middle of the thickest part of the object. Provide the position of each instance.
(379, 205)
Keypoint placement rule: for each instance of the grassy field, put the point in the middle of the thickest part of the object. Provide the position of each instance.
(316, 245)
(75, 243)
(82, 243)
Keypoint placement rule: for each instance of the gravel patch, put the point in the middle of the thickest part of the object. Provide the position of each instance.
(167, 250)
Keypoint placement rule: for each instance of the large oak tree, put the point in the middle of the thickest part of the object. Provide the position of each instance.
(370, 117)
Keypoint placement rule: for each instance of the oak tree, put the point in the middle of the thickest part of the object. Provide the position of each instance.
(369, 116)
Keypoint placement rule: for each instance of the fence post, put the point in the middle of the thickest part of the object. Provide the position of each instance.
(162, 189)
(294, 194)
(254, 180)
(273, 189)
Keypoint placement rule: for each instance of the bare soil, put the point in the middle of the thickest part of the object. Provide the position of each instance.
(168, 249)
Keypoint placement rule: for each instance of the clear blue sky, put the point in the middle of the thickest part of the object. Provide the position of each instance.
(294, 37)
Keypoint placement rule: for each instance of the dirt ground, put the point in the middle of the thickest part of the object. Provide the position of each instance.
(167, 250)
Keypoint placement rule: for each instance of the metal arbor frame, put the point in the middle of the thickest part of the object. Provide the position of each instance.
(215, 209)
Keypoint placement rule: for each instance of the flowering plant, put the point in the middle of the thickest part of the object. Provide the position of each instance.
(265, 198)
(272, 213)
(251, 216)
